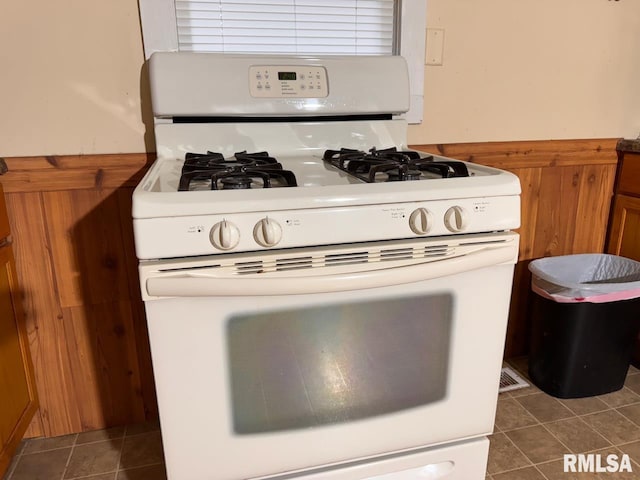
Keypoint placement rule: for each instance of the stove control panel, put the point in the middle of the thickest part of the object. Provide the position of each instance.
(171, 236)
(286, 81)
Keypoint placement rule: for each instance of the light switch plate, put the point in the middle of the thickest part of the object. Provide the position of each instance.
(435, 46)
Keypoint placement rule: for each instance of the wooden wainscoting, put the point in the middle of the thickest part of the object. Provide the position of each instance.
(71, 222)
(73, 240)
(567, 187)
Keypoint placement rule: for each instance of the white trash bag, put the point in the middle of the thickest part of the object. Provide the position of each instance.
(589, 277)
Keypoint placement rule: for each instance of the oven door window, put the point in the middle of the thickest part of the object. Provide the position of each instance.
(306, 367)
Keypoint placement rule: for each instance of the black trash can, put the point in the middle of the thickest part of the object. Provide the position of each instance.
(585, 319)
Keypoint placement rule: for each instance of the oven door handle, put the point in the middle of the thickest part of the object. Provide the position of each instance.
(202, 285)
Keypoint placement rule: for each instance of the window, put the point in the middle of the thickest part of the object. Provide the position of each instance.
(354, 27)
(350, 27)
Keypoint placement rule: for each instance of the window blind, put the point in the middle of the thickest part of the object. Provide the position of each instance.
(354, 27)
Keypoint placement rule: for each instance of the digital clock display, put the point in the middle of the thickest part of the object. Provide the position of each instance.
(286, 75)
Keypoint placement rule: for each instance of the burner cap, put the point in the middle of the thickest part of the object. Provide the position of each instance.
(236, 183)
(398, 175)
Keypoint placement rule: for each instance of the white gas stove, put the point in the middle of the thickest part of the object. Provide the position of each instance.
(287, 237)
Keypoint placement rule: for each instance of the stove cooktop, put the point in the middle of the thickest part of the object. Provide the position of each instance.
(212, 171)
(266, 151)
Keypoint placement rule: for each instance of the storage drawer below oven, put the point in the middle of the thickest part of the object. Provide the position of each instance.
(455, 461)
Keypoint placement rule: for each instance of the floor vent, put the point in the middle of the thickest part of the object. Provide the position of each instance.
(510, 380)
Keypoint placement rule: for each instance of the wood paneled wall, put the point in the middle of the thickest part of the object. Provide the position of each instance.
(567, 187)
(71, 221)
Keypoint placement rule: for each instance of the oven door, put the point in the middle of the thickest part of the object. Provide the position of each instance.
(290, 361)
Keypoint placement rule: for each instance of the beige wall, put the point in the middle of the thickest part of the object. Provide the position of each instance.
(70, 77)
(537, 69)
(513, 70)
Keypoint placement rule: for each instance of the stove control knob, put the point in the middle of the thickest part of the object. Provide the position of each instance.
(224, 235)
(267, 232)
(421, 221)
(456, 219)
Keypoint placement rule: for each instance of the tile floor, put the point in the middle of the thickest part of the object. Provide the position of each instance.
(532, 433)
(534, 430)
(121, 453)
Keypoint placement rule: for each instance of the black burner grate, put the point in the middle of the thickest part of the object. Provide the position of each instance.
(392, 165)
(245, 170)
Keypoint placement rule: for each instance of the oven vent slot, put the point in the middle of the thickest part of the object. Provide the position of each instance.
(248, 268)
(294, 263)
(281, 264)
(346, 258)
(396, 254)
(438, 251)
(190, 268)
